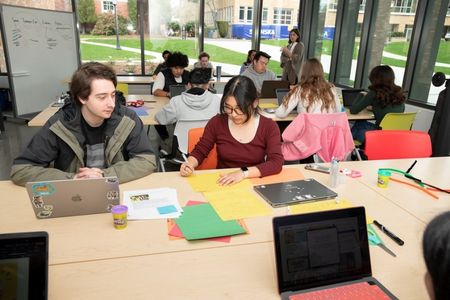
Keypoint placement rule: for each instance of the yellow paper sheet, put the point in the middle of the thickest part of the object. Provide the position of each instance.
(207, 182)
(234, 204)
(287, 174)
(268, 105)
(323, 206)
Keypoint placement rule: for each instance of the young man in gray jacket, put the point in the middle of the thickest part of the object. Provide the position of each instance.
(197, 103)
(89, 137)
(258, 71)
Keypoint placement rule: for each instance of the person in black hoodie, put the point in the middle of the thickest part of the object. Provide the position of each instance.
(174, 74)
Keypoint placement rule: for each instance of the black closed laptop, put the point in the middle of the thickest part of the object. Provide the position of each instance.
(292, 192)
(349, 96)
(325, 255)
(24, 265)
(176, 89)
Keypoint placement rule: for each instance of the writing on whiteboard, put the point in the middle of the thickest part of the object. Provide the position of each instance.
(31, 30)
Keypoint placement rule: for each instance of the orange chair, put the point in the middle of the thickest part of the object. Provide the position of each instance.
(392, 144)
(210, 162)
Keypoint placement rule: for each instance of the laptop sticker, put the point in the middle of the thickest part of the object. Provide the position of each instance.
(112, 195)
(112, 180)
(38, 202)
(43, 189)
(44, 214)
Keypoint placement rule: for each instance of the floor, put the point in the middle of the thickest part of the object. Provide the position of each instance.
(17, 135)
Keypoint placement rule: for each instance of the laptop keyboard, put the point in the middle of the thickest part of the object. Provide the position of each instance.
(360, 291)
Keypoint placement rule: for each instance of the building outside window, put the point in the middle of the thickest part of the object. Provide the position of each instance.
(282, 16)
(107, 6)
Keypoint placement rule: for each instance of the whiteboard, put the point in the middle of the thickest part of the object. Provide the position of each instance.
(41, 53)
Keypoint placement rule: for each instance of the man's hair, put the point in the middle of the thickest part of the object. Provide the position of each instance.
(258, 54)
(166, 52)
(203, 54)
(80, 84)
(199, 76)
(177, 59)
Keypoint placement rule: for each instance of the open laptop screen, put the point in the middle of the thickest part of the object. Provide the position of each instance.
(321, 248)
(23, 265)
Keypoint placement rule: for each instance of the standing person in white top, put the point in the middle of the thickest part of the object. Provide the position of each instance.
(312, 95)
(258, 71)
(292, 58)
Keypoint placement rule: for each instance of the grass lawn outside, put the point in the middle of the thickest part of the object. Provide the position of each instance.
(223, 55)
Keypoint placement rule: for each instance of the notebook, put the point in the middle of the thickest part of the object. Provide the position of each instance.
(324, 253)
(176, 89)
(280, 95)
(349, 96)
(61, 198)
(291, 192)
(24, 265)
(269, 86)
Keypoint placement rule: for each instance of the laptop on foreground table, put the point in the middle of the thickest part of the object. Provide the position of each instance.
(61, 198)
(292, 192)
(24, 265)
(325, 254)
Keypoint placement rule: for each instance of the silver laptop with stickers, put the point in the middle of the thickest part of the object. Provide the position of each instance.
(62, 198)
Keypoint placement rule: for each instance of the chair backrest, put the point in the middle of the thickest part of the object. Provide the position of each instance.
(392, 144)
(181, 131)
(123, 87)
(209, 162)
(398, 121)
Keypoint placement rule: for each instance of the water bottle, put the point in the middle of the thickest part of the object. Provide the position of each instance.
(334, 173)
(218, 72)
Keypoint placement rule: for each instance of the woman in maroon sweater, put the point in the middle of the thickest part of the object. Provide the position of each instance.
(244, 138)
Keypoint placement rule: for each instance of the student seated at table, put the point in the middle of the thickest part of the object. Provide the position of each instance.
(203, 62)
(162, 66)
(312, 95)
(436, 251)
(250, 55)
(258, 71)
(197, 103)
(174, 74)
(91, 136)
(384, 96)
(244, 138)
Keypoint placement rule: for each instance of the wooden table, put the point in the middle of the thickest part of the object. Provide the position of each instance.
(362, 115)
(89, 259)
(135, 79)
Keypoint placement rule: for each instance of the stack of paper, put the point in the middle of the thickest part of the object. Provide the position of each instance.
(152, 204)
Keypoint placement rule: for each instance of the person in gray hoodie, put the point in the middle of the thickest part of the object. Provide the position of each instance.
(197, 103)
(258, 71)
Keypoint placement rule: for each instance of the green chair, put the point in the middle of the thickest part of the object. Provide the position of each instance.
(398, 121)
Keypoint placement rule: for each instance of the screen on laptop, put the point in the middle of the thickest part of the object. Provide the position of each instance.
(23, 265)
(321, 248)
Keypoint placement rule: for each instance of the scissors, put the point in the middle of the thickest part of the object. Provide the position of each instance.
(375, 239)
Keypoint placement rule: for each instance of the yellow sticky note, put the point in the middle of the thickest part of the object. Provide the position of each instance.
(323, 206)
(237, 204)
(207, 182)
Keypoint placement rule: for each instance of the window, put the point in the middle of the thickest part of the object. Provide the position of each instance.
(249, 14)
(241, 13)
(107, 6)
(404, 6)
(265, 15)
(282, 16)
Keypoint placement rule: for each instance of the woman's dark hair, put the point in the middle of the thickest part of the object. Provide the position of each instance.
(249, 54)
(243, 90)
(382, 80)
(177, 59)
(436, 251)
(297, 33)
(80, 84)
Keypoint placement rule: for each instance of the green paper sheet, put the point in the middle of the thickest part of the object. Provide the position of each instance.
(201, 222)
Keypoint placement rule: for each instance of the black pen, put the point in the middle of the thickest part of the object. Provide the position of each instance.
(389, 233)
